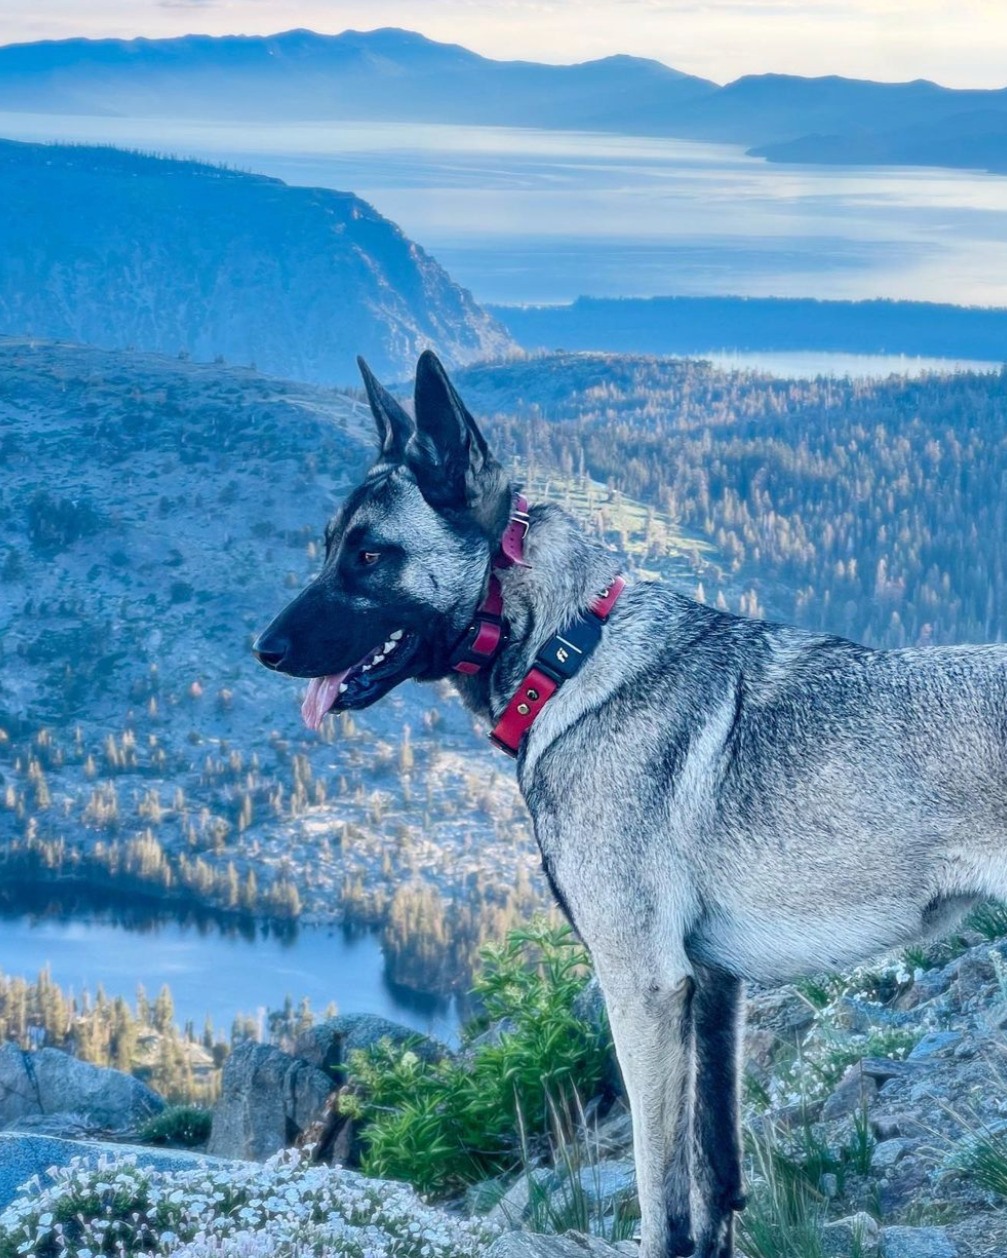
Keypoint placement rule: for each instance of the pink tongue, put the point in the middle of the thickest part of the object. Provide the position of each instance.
(322, 692)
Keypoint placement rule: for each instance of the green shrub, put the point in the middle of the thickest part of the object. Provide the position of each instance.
(184, 1126)
(441, 1125)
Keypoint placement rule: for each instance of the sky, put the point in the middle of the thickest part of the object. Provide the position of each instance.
(962, 43)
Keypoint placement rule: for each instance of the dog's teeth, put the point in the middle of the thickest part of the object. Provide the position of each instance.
(389, 646)
(365, 668)
(396, 635)
(377, 659)
(342, 687)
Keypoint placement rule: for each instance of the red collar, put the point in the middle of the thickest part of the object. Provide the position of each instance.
(561, 658)
(483, 639)
(558, 661)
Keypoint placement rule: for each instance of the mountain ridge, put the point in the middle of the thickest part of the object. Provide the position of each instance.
(391, 74)
(119, 249)
(314, 76)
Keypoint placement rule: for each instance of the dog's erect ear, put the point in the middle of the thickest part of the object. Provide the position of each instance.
(448, 454)
(393, 423)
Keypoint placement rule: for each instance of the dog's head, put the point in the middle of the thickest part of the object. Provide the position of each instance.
(406, 556)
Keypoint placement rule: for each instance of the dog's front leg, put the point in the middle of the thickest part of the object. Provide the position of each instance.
(717, 1011)
(651, 1019)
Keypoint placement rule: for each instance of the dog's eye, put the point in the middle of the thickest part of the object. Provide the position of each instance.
(369, 557)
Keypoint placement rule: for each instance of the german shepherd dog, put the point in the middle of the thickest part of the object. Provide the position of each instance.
(716, 799)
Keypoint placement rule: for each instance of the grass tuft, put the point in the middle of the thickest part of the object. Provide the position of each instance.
(989, 919)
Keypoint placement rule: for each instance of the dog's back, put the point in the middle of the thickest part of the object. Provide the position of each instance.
(813, 801)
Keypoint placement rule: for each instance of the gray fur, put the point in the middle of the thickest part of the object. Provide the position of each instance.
(719, 799)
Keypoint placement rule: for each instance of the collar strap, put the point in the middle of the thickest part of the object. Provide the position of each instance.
(483, 639)
(561, 658)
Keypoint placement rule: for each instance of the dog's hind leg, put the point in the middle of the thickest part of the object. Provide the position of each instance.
(651, 1019)
(717, 1010)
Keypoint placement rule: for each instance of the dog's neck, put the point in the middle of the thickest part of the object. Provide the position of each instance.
(566, 571)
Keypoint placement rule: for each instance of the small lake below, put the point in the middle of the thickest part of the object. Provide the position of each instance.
(215, 968)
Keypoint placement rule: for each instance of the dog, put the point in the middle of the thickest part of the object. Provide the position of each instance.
(716, 799)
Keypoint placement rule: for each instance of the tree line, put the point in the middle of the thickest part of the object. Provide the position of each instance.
(875, 509)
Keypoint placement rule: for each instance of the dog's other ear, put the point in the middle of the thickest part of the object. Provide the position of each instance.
(393, 423)
(448, 454)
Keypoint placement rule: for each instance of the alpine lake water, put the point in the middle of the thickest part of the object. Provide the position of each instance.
(213, 966)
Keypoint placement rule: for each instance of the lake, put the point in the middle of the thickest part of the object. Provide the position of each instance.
(546, 216)
(216, 969)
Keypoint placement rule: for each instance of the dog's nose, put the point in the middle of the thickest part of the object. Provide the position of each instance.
(270, 651)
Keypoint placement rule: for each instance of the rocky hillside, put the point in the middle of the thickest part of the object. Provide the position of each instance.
(121, 250)
(156, 513)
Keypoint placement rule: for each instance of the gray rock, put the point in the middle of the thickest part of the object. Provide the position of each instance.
(887, 1153)
(23, 1156)
(935, 1044)
(781, 1010)
(49, 1082)
(856, 1234)
(18, 1096)
(517, 1204)
(975, 972)
(481, 1197)
(917, 1242)
(762, 1047)
(888, 1124)
(905, 1184)
(572, 1245)
(493, 1035)
(860, 1016)
(883, 1069)
(329, 1044)
(605, 1184)
(267, 1099)
(855, 1092)
(614, 1135)
(61, 1126)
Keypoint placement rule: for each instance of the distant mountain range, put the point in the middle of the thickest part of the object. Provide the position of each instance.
(384, 74)
(120, 250)
(393, 74)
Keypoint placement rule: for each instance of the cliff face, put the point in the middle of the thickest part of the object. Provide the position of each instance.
(121, 250)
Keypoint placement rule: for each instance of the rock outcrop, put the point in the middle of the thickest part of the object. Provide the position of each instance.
(328, 1045)
(267, 1100)
(57, 1093)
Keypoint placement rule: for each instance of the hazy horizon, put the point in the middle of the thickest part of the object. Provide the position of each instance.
(722, 40)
